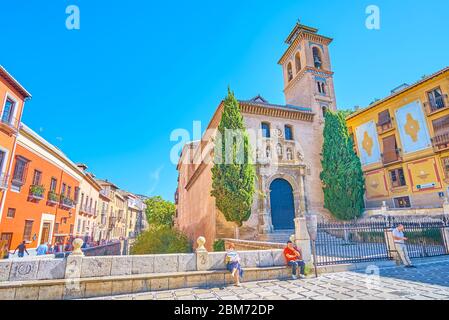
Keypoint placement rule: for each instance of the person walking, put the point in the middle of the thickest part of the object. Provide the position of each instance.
(401, 248)
(294, 259)
(232, 261)
(22, 249)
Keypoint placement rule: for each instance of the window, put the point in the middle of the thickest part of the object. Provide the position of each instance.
(266, 130)
(436, 99)
(69, 191)
(384, 118)
(56, 228)
(289, 72)
(8, 111)
(397, 178)
(324, 110)
(390, 151)
(63, 189)
(84, 226)
(441, 126)
(28, 230)
(37, 177)
(317, 60)
(11, 213)
(19, 174)
(2, 160)
(8, 238)
(53, 184)
(402, 202)
(298, 62)
(288, 133)
(321, 87)
(78, 228)
(71, 229)
(77, 194)
(82, 199)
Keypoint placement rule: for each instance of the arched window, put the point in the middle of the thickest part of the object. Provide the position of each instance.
(298, 62)
(265, 130)
(279, 150)
(288, 132)
(321, 87)
(289, 154)
(289, 71)
(317, 59)
(324, 110)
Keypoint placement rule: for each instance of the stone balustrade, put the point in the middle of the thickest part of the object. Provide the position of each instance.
(79, 276)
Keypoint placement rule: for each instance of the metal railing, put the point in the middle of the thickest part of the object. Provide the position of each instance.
(440, 141)
(341, 243)
(10, 123)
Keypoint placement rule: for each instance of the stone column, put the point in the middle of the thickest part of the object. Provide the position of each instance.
(302, 192)
(202, 256)
(267, 225)
(303, 239)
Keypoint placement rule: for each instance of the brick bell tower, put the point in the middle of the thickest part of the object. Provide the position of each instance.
(308, 76)
(308, 82)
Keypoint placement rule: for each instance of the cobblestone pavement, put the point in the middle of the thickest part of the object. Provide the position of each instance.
(429, 281)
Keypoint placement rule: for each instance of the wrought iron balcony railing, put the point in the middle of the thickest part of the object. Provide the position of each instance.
(439, 103)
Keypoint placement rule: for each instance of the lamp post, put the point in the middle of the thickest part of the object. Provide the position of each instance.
(312, 229)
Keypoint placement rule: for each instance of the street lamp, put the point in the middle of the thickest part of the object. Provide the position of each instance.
(312, 229)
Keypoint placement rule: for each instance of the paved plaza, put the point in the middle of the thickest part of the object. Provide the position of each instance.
(429, 281)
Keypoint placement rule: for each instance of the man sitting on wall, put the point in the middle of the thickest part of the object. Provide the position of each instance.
(294, 260)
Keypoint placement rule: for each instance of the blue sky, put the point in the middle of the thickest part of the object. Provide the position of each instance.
(110, 94)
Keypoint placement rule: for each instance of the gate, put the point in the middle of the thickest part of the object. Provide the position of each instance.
(340, 243)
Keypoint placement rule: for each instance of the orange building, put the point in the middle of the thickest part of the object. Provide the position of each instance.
(41, 200)
(12, 101)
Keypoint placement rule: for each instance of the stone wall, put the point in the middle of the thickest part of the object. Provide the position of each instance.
(246, 245)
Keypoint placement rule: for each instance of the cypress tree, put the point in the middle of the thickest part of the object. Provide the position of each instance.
(342, 176)
(233, 178)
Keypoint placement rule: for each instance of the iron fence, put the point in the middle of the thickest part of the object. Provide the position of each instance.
(339, 243)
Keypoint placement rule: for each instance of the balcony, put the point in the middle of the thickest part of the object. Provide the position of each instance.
(52, 198)
(390, 157)
(9, 125)
(385, 126)
(36, 192)
(438, 104)
(66, 202)
(440, 142)
(85, 209)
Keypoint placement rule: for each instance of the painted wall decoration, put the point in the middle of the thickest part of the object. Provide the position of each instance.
(413, 128)
(376, 184)
(368, 143)
(424, 175)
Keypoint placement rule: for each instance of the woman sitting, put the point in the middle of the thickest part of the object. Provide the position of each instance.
(232, 261)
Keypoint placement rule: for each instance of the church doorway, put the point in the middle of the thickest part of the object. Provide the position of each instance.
(282, 205)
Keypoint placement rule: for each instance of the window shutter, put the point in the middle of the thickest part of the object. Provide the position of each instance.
(390, 153)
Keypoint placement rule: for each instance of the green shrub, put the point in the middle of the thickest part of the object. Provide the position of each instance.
(219, 245)
(161, 240)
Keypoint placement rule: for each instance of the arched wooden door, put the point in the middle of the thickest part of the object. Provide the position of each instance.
(282, 205)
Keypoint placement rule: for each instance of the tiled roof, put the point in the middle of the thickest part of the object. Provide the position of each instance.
(259, 101)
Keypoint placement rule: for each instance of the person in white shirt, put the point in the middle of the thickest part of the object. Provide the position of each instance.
(399, 242)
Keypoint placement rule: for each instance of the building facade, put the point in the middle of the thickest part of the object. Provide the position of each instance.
(403, 143)
(12, 101)
(41, 200)
(87, 209)
(287, 141)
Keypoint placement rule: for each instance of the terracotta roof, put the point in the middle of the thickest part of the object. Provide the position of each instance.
(259, 101)
(16, 85)
(398, 92)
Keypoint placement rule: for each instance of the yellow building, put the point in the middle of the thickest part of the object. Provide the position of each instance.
(403, 144)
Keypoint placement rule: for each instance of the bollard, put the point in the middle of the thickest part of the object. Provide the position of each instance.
(202, 256)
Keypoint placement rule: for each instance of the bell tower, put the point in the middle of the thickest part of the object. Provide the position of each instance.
(308, 76)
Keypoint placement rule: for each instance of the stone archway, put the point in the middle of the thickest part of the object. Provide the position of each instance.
(282, 205)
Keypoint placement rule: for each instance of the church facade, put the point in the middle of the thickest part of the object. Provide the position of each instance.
(287, 150)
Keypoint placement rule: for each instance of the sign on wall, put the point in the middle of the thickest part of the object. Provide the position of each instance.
(413, 128)
(368, 143)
